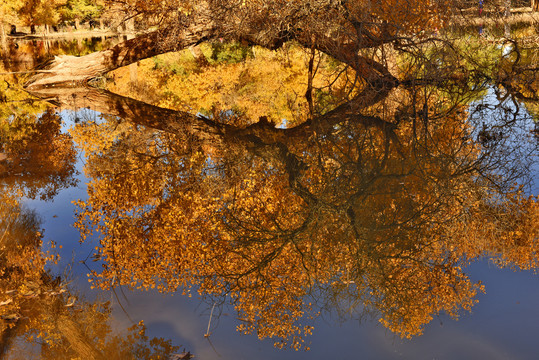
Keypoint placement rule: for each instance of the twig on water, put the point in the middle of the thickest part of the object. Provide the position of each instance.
(207, 334)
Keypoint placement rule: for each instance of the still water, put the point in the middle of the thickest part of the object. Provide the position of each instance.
(363, 235)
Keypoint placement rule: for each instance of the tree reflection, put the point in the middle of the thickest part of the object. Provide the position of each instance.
(41, 318)
(36, 158)
(374, 206)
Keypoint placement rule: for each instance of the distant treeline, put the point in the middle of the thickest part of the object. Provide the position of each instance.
(18, 16)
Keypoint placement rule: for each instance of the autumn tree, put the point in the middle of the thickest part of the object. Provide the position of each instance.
(41, 12)
(8, 16)
(39, 308)
(80, 10)
(21, 262)
(377, 200)
(37, 158)
(379, 212)
(339, 29)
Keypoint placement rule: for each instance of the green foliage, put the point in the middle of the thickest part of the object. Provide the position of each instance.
(176, 63)
(83, 10)
(229, 53)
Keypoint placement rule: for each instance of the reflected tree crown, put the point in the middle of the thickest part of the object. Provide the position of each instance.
(372, 207)
(36, 158)
(42, 317)
(389, 183)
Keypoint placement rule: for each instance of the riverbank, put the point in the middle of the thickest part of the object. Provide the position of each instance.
(491, 17)
(68, 34)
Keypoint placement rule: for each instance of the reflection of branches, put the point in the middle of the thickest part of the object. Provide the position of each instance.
(39, 160)
(359, 205)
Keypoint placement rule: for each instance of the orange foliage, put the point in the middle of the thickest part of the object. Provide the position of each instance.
(367, 212)
(37, 158)
(39, 309)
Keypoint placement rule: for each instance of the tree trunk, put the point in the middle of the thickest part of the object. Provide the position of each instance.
(205, 25)
(78, 341)
(204, 130)
(507, 26)
(67, 69)
(507, 12)
(3, 37)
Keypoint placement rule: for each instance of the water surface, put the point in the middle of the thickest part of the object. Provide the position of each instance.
(377, 225)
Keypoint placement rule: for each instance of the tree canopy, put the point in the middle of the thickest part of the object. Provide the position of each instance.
(37, 159)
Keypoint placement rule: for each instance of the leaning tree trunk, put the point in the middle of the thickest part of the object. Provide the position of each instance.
(67, 69)
(203, 130)
(206, 25)
(72, 70)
